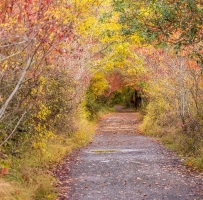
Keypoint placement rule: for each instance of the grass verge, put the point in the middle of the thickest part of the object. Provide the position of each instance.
(29, 176)
(173, 138)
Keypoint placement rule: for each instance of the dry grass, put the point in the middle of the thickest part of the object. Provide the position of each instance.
(10, 191)
(173, 137)
(29, 177)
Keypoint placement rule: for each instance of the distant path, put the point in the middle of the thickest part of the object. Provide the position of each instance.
(122, 164)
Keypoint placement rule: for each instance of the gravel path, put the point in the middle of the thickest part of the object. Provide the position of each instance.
(120, 163)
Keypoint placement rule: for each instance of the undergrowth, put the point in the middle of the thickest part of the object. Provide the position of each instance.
(29, 176)
(173, 137)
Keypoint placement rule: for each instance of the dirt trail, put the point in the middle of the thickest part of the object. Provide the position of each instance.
(122, 164)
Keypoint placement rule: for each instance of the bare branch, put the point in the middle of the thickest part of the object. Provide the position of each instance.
(13, 130)
(3, 108)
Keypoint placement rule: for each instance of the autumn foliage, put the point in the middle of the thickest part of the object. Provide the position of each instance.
(62, 60)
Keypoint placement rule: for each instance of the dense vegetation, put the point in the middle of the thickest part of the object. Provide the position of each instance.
(63, 62)
(172, 58)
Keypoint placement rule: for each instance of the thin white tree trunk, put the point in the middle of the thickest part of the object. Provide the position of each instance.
(5, 105)
(13, 130)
